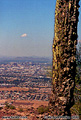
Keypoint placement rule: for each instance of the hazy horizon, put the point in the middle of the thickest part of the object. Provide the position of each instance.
(26, 56)
(27, 27)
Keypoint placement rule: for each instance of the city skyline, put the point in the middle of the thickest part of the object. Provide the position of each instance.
(27, 27)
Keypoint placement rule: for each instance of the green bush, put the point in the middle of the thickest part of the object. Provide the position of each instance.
(46, 109)
(20, 110)
(7, 105)
(42, 109)
(16, 119)
(80, 109)
(12, 107)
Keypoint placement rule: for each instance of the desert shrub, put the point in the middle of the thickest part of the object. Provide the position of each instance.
(46, 109)
(16, 119)
(80, 109)
(12, 107)
(75, 109)
(20, 110)
(7, 105)
(42, 109)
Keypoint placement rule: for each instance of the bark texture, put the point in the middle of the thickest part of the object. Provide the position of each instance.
(64, 61)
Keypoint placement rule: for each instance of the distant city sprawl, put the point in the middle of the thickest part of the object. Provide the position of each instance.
(25, 81)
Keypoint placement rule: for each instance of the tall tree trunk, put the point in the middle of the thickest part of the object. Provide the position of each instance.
(64, 61)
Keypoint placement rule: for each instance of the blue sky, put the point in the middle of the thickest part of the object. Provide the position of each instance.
(27, 27)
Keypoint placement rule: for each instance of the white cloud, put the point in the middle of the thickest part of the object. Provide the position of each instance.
(24, 35)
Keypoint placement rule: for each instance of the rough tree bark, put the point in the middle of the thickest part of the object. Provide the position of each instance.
(64, 61)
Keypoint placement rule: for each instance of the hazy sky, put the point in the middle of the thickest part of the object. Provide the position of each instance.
(27, 27)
